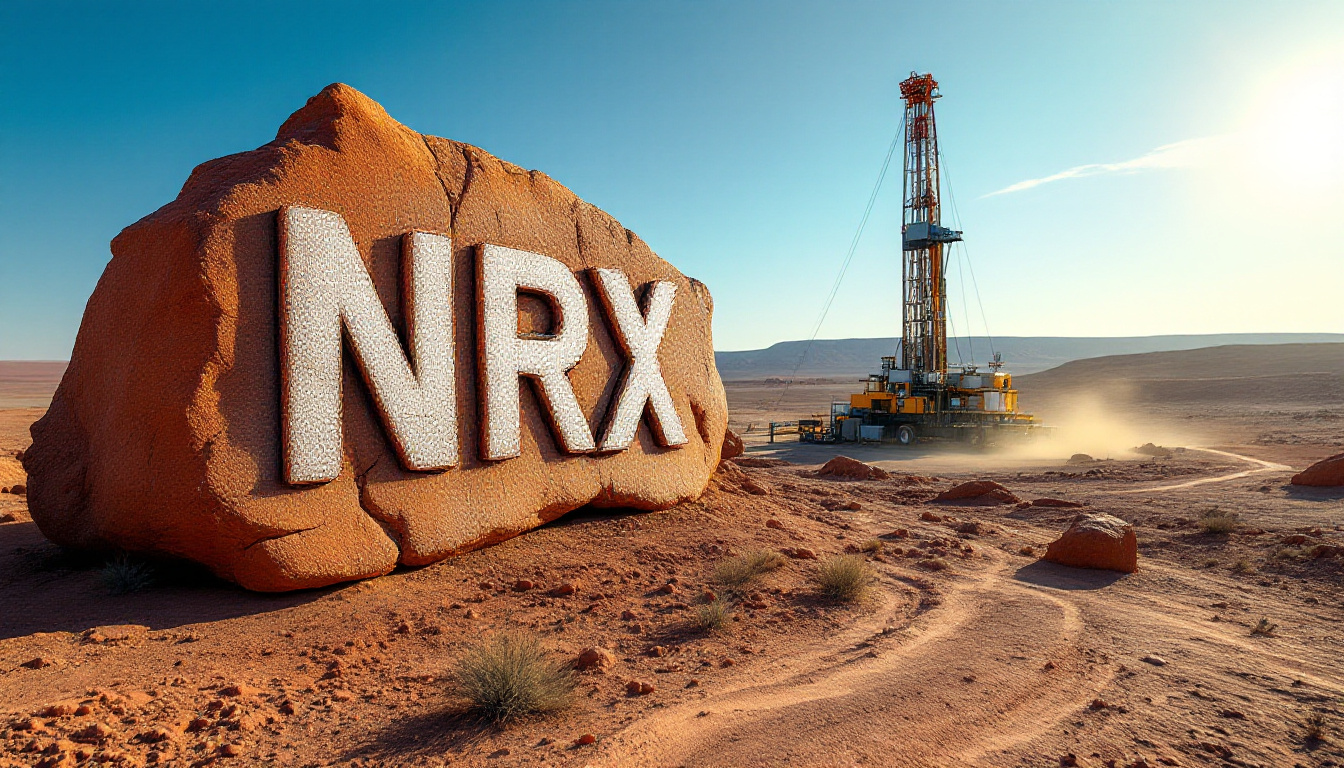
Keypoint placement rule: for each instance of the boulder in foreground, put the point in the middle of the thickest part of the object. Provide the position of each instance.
(1326, 473)
(166, 434)
(845, 468)
(1097, 541)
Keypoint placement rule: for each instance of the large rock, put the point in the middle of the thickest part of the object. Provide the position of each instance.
(845, 468)
(165, 434)
(977, 493)
(1325, 473)
(1097, 541)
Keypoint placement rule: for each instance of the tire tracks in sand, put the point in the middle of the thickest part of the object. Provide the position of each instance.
(966, 680)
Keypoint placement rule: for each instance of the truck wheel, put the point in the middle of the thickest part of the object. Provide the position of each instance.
(905, 434)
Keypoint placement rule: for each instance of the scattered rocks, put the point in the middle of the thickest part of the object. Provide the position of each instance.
(639, 688)
(1326, 473)
(977, 493)
(845, 468)
(1096, 541)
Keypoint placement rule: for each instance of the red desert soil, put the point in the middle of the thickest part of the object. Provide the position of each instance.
(969, 651)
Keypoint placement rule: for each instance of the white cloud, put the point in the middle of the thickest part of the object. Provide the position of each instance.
(1182, 154)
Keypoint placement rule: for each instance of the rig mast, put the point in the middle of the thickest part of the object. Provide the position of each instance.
(924, 307)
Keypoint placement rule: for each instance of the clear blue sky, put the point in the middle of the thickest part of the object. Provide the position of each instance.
(741, 141)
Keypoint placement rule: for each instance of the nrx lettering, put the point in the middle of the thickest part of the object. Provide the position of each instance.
(326, 293)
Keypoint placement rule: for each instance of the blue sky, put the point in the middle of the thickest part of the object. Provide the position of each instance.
(741, 141)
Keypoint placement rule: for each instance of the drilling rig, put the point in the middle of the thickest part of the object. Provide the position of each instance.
(915, 394)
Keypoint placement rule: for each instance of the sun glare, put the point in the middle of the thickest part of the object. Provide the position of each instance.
(1295, 133)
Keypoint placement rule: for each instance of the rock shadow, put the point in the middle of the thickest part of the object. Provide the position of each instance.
(1313, 493)
(45, 588)
(1055, 576)
(435, 732)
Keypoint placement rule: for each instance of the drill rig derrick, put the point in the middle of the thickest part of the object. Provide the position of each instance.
(915, 394)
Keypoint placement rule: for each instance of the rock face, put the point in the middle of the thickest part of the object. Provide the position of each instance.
(1097, 541)
(1326, 473)
(978, 493)
(852, 469)
(165, 435)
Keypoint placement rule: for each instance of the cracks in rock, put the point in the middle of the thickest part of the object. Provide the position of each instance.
(265, 539)
(467, 175)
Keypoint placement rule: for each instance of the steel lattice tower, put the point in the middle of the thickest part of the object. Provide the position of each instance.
(924, 314)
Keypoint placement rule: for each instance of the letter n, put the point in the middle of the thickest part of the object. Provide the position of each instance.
(325, 289)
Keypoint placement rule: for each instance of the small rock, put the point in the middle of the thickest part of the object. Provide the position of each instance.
(773, 523)
(666, 589)
(522, 585)
(800, 554)
(628, 615)
(930, 517)
(595, 658)
(1156, 661)
(230, 750)
(585, 740)
(657, 651)
(38, 663)
(565, 589)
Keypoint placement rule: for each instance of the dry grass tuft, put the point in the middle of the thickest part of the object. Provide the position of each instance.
(743, 569)
(1316, 727)
(510, 675)
(874, 546)
(934, 564)
(1243, 566)
(1264, 627)
(1218, 522)
(712, 616)
(844, 578)
(122, 575)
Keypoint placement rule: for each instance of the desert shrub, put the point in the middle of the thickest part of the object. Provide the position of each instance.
(844, 578)
(1264, 627)
(1316, 728)
(1289, 553)
(712, 616)
(1216, 521)
(934, 564)
(122, 575)
(740, 570)
(510, 675)
(1211, 563)
(1243, 566)
(874, 546)
(1027, 550)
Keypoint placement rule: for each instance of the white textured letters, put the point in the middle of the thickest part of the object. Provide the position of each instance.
(506, 356)
(640, 334)
(324, 286)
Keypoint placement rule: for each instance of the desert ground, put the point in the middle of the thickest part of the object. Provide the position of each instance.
(1222, 650)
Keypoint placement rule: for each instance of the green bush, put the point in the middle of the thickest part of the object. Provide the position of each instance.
(844, 578)
(510, 675)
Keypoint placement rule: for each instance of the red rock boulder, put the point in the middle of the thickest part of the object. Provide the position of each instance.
(165, 435)
(1326, 473)
(1097, 541)
(977, 493)
(845, 468)
(732, 446)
